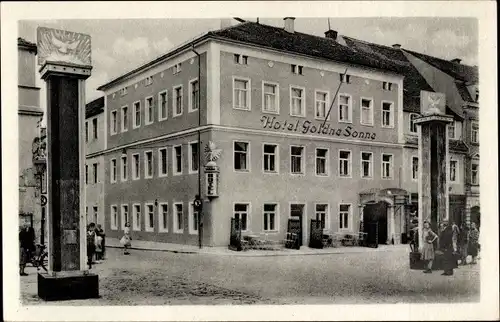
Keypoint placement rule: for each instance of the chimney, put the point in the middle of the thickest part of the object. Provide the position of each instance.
(332, 34)
(456, 60)
(396, 46)
(289, 24)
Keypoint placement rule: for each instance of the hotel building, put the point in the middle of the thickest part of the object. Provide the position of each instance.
(261, 94)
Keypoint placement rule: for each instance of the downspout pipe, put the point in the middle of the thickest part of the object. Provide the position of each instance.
(200, 210)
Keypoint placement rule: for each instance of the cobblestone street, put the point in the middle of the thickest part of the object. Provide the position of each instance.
(158, 278)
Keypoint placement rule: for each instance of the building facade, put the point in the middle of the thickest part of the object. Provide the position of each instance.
(31, 151)
(258, 98)
(94, 166)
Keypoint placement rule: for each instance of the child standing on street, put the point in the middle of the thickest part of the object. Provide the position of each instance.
(90, 244)
(125, 241)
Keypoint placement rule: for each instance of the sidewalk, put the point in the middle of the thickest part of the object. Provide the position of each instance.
(207, 250)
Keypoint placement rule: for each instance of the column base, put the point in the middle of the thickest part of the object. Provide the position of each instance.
(70, 287)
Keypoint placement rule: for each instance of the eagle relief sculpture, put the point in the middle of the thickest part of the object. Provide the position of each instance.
(63, 46)
(435, 103)
(212, 154)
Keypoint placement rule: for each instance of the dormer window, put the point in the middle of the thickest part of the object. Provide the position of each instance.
(123, 91)
(297, 69)
(149, 80)
(345, 78)
(387, 86)
(177, 68)
(241, 59)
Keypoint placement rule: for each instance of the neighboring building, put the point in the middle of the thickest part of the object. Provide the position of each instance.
(31, 151)
(460, 83)
(265, 92)
(94, 166)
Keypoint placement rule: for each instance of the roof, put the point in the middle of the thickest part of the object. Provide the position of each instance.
(23, 43)
(95, 107)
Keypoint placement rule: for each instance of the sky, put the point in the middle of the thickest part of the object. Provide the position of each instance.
(120, 45)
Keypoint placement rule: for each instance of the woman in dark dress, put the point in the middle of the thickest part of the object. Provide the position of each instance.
(446, 246)
(473, 242)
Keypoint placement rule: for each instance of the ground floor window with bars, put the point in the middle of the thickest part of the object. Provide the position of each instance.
(241, 215)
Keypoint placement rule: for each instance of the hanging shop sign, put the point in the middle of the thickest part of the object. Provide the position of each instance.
(309, 127)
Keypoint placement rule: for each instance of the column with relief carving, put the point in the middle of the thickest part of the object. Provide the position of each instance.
(65, 62)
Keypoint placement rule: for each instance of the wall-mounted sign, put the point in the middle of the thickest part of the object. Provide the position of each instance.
(432, 103)
(60, 46)
(212, 181)
(309, 127)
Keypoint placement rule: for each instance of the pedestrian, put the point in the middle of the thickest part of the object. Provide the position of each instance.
(474, 243)
(98, 247)
(463, 244)
(446, 246)
(90, 244)
(126, 239)
(101, 233)
(428, 248)
(26, 246)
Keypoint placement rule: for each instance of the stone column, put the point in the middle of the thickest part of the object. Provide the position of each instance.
(68, 277)
(391, 231)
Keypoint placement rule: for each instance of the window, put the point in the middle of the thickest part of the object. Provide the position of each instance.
(270, 158)
(414, 168)
(163, 217)
(193, 157)
(86, 174)
(475, 173)
(94, 128)
(148, 164)
(124, 118)
(451, 131)
(241, 215)
(113, 170)
(297, 69)
(149, 110)
(177, 68)
(321, 214)
(193, 220)
(296, 159)
(413, 125)
(137, 114)
(345, 110)
(474, 132)
(240, 156)
(177, 159)
(387, 86)
(386, 166)
(241, 59)
(136, 219)
(124, 216)
(150, 217)
(86, 131)
(123, 91)
(366, 111)
(178, 218)
(149, 80)
(344, 163)
(344, 216)
(322, 162)
(321, 101)
(136, 166)
(162, 106)
(387, 115)
(114, 126)
(366, 164)
(95, 171)
(124, 168)
(162, 164)
(177, 101)
(270, 98)
(194, 93)
(114, 217)
(345, 78)
(297, 101)
(241, 94)
(453, 170)
(270, 217)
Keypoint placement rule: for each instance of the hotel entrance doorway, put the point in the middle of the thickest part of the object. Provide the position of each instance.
(375, 215)
(297, 212)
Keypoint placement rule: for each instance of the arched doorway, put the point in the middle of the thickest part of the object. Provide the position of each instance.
(375, 221)
(475, 215)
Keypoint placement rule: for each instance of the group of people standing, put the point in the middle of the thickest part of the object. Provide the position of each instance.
(96, 244)
(454, 243)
